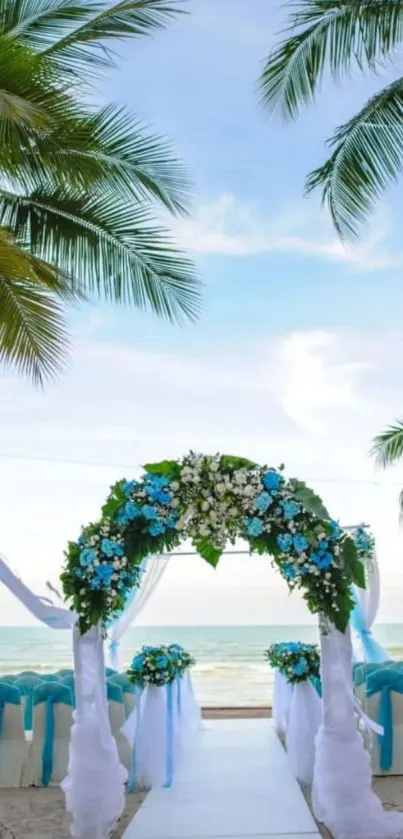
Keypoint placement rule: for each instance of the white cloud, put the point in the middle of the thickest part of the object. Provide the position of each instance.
(229, 227)
(311, 399)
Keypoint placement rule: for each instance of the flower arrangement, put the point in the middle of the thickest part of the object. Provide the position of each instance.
(212, 500)
(159, 665)
(296, 661)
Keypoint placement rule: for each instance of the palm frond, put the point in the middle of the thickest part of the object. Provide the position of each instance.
(401, 508)
(327, 34)
(84, 46)
(388, 446)
(33, 335)
(114, 151)
(112, 248)
(367, 158)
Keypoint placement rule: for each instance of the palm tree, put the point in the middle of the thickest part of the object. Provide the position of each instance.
(388, 449)
(367, 151)
(79, 186)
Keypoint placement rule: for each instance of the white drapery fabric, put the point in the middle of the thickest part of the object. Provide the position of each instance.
(282, 695)
(305, 716)
(155, 567)
(94, 786)
(159, 731)
(342, 795)
(56, 617)
(364, 614)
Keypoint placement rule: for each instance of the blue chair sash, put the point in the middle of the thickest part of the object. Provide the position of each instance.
(385, 681)
(50, 693)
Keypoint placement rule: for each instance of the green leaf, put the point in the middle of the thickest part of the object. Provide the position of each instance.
(353, 567)
(232, 462)
(341, 617)
(265, 544)
(388, 445)
(208, 551)
(168, 468)
(309, 500)
(115, 500)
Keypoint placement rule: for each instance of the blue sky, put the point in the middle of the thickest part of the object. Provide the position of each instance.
(297, 358)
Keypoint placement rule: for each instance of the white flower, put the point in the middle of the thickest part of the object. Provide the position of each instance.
(205, 506)
(116, 563)
(180, 524)
(214, 467)
(186, 470)
(220, 488)
(175, 502)
(174, 486)
(204, 530)
(213, 516)
(96, 562)
(83, 591)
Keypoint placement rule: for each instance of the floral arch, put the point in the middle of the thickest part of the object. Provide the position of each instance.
(213, 500)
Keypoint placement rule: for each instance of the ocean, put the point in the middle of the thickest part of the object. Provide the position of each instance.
(230, 666)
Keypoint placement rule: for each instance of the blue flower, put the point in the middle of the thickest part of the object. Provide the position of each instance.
(321, 559)
(254, 526)
(161, 496)
(109, 547)
(148, 512)
(335, 530)
(271, 480)
(104, 574)
(301, 667)
(80, 541)
(290, 509)
(284, 542)
(288, 571)
(79, 572)
(156, 481)
(263, 501)
(128, 488)
(95, 583)
(162, 661)
(156, 528)
(300, 542)
(323, 544)
(132, 510)
(170, 522)
(88, 556)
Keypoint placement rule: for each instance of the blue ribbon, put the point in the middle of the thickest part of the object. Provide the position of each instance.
(114, 653)
(28, 711)
(170, 736)
(131, 786)
(372, 650)
(47, 754)
(384, 681)
(317, 684)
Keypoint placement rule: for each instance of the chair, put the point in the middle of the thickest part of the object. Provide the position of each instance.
(49, 677)
(26, 673)
(26, 686)
(385, 705)
(117, 718)
(70, 682)
(9, 678)
(53, 718)
(62, 673)
(109, 671)
(13, 749)
(128, 691)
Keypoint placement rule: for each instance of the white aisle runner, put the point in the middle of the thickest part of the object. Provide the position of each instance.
(236, 784)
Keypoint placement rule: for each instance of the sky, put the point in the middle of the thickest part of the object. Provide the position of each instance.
(297, 357)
